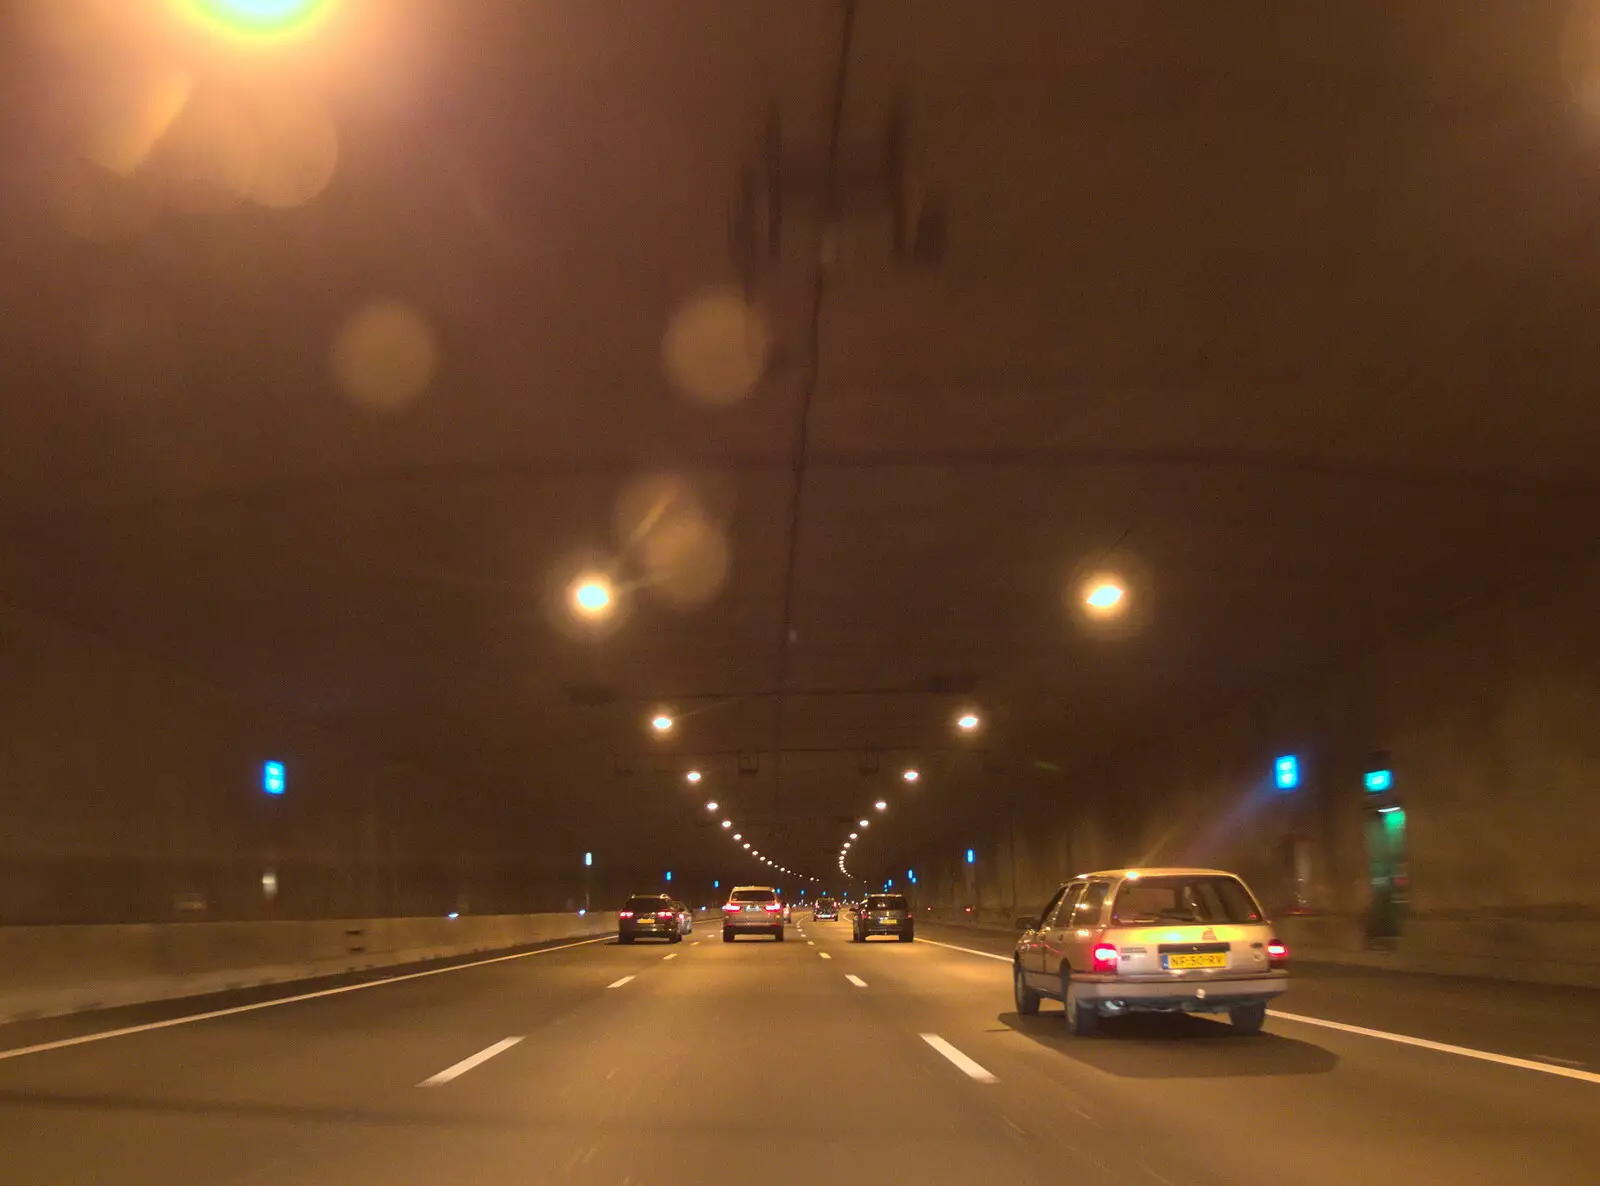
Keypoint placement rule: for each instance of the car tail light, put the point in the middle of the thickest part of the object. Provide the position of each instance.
(773, 909)
(1105, 958)
(624, 914)
(731, 908)
(664, 914)
(1277, 954)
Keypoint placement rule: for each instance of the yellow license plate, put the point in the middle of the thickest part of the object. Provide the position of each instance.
(1198, 959)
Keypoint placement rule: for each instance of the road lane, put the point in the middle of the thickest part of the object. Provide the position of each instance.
(757, 1061)
(1314, 1105)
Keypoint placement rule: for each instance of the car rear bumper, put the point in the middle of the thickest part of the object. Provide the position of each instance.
(1212, 995)
(885, 928)
(752, 924)
(635, 931)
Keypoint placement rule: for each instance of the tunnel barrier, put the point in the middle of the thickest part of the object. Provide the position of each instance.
(1562, 951)
(47, 971)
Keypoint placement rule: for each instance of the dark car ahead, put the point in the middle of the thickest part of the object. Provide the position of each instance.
(654, 916)
(884, 914)
(825, 908)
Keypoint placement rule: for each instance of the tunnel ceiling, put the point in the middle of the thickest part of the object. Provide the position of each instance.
(1287, 317)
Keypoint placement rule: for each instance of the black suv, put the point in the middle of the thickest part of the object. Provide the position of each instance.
(825, 908)
(655, 915)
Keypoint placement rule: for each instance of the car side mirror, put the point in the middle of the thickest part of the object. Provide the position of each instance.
(1025, 922)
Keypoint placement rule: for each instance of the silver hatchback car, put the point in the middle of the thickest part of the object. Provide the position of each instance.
(1151, 941)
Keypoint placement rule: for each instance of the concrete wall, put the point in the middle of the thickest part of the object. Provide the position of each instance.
(132, 793)
(1490, 721)
(51, 970)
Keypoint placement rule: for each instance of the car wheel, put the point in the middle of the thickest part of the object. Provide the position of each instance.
(727, 936)
(1248, 1019)
(624, 940)
(1027, 1000)
(907, 936)
(1082, 1020)
(778, 934)
(677, 939)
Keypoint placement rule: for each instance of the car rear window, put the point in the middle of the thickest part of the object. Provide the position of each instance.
(886, 902)
(1184, 898)
(825, 903)
(753, 896)
(647, 905)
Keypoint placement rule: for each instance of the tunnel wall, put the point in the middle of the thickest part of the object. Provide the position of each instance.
(1490, 723)
(132, 793)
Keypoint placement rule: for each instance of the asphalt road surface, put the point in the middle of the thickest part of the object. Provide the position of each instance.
(816, 1061)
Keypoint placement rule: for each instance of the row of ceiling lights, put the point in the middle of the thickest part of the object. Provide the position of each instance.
(593, 596)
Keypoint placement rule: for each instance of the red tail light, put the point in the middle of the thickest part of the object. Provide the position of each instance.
(1277, 954)
(624, 914)
(664, 913)
(1105, 958)
(731, 908)
(774, 909)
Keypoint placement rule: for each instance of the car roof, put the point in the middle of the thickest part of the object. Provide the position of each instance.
(1156, 871)
(737, 888)
(666, 896)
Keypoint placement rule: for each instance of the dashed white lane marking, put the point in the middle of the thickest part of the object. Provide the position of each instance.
(967, 1065)
(466, 1064)
(988, 955)
(619, 983)
(855, 980)
(810, 943)
(62, 1043)
(673, 956)
(1566, 1062)
(825, 955)
(1505, 1060)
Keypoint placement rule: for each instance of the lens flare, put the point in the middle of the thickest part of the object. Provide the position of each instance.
(384, 355)
(716, 347)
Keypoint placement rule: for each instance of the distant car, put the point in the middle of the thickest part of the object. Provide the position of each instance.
(788, 912)
(650, 915)
(825, 908)
(884, 914)
(752, 909)
(1151, 941)
(685, 918)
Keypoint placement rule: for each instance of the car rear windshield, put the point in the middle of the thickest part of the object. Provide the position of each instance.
(1184, 898)
(825, 903)
(647, 905)
(886, 902)
(753, 896)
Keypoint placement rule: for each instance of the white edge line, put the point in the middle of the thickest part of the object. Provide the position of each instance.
(619, 983)
(855, 980)
(969, 1066)
(988, 955)
(1443, 1047)
(79, 1040)
(825, 955)
(466, 1064)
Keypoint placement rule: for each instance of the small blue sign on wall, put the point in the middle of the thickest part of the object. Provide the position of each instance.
(274, 778)
(1379, 780)
(1287, 772)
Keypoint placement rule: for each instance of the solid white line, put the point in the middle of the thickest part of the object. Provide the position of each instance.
(619, 983)
(1566, 1062)
(855, 980)
(972, 1068)
(825, 955)
(1443, 1047)
(466, 1064)
(61, 1043)
(988, 955)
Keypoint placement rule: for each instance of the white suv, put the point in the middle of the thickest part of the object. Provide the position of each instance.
(752, 908)
(1151, 941)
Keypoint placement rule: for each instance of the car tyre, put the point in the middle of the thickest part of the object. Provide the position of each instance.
(727, 935)
(907, 936)
(1027, 1000)
(1248, 1019)
(1081, 1019)
(624, 940)
(778, 934)
(678, 938)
